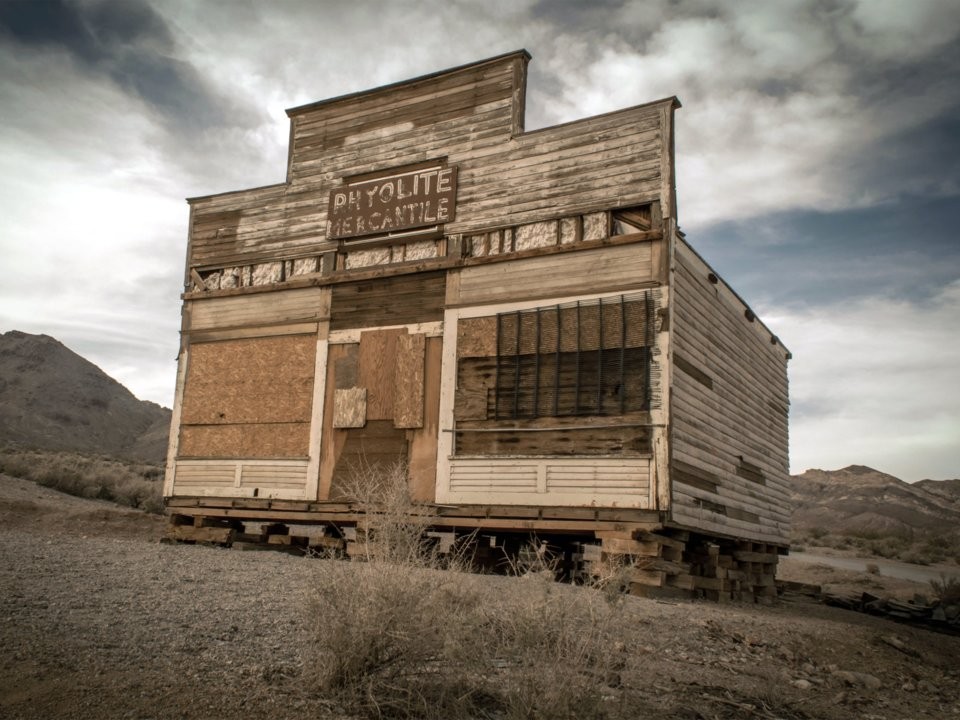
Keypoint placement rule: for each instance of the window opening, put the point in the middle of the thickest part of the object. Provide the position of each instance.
(591, 358)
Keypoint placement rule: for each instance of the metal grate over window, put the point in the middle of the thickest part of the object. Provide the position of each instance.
(585, 358)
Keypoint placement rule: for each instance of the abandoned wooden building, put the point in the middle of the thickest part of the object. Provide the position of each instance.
(514, 316)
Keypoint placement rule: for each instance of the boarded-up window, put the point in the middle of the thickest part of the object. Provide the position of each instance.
(578, 359)
(249, 398)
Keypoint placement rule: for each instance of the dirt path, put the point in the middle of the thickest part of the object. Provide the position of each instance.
(108, 623)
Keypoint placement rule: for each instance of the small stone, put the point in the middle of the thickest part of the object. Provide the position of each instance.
(858, 679)
(908, 687)
(808, 668)
(802, 684)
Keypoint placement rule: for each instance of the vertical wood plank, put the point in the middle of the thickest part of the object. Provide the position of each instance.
(378, 353)
(331, 439)
(316, 412)
(408, 382)
(423, 441)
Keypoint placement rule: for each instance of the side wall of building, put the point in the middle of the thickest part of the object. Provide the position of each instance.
(729, 465)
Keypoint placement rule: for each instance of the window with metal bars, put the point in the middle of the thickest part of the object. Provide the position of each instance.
(585, 358)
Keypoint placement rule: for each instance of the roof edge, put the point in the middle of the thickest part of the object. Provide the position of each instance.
(522, 53)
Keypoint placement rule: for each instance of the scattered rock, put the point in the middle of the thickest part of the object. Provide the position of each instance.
(895, 642)
(859, 679)
(802, 684)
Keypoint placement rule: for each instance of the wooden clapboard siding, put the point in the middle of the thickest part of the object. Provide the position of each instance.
(283, 307)
(470, 117)
(563, 274)
(556, 482)
(396, 300)
(728, 407)
(281, 479)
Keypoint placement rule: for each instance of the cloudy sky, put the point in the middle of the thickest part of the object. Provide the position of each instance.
(818, 167)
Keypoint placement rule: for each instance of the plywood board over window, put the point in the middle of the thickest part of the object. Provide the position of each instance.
(249, 398)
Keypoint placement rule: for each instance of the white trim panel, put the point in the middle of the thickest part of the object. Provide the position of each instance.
(277, 479)
(588, 481)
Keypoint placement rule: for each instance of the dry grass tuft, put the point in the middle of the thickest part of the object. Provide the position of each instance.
(407, 633)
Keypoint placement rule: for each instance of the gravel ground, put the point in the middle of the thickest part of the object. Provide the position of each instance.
(116, 627)
(99, 620)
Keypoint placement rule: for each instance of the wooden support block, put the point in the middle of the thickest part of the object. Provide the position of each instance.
(748, 556)
(656, 591)
(672, 553)
(333, 543)
(590, 552)
(662, 539)
(615, 534)
(188, 533)
(623, 546)
(279, 540)
(666, 566)
(647, 577)
(682, 581)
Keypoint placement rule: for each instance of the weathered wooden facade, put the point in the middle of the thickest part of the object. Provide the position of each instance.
(513, 315)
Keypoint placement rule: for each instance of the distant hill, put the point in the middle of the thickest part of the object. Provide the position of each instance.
(861, 499)
(53, 399)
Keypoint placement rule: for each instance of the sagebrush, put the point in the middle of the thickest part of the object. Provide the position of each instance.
(136, 485)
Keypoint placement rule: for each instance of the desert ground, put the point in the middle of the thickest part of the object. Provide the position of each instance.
(99, 619)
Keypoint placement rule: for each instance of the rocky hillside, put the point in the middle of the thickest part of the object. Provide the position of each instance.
(861, 499)
(51, 398)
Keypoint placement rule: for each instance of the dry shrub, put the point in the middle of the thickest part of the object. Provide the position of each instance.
(407, 633)
(555, 651)
(946, 589)
(387, 640)
(135, 485)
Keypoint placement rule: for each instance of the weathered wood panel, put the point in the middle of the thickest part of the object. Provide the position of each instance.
(259, 309)
(423, 440)
(374, 450)
(471, 116)
(397, 300)
(376, 373)
(621, 441)
(561, 275)
(350, 408)
(408, 381)
(728, 412)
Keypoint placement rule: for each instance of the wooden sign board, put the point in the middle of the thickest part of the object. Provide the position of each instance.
(403, 200)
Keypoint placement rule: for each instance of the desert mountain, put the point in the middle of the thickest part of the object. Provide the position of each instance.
(861, 499)
(51, 398)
